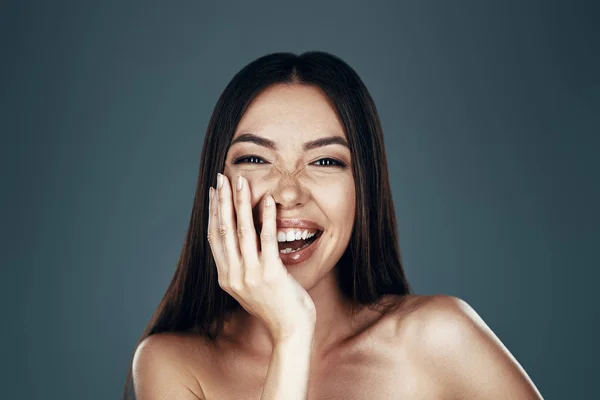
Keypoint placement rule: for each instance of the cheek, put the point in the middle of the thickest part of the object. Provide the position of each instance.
(256, 182)
(259, 186)
(338, 201)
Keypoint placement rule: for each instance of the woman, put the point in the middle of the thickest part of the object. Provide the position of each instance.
(290, 284)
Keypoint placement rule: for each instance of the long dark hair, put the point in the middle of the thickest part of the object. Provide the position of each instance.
(194, 301)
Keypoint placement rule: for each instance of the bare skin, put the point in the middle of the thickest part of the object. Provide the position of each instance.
(304, 184)
(432, 347)
(370, 363)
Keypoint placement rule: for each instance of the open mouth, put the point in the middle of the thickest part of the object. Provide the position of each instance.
(297, 239)
(297, 245)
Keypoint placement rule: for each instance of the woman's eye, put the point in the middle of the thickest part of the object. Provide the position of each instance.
(330, 162)
(250, 160)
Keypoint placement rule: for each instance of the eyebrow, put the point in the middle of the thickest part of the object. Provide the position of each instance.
(313, 144)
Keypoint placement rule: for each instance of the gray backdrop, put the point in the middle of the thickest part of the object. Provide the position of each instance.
(490, 114)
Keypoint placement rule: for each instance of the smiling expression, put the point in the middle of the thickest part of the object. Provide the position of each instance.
(291, 144)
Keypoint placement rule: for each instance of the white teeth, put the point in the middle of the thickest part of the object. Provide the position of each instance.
(295, 234)
(281, 236)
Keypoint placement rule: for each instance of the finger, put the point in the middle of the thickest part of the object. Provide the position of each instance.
(268, 234)
(245, 225)
(227, 230)
(214, 238)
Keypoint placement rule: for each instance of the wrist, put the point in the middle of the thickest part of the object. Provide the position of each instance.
(296, 338)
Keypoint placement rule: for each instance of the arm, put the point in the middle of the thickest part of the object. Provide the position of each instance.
(466, 355)
(159, 371)
(287, 377)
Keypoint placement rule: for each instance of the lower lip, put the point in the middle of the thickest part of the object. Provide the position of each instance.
(300, 255)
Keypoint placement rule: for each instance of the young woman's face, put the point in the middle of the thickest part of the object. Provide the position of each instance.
(290, 144)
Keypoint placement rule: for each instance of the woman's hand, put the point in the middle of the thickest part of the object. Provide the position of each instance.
(257, 280)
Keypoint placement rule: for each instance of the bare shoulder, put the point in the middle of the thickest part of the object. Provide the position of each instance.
(162, 368)
(427, 312)
(443, 325)
(452, 342)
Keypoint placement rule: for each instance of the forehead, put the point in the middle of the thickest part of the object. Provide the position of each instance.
(291, 110)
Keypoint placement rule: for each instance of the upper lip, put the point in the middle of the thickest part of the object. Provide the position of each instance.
(296, 223)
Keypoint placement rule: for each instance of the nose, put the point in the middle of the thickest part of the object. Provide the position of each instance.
(289, 191)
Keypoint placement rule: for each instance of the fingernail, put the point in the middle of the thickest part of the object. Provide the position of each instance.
(211, 193)
(268, 201)
(240, 183)
(219, 181)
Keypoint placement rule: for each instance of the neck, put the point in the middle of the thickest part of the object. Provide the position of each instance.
(335, 323)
